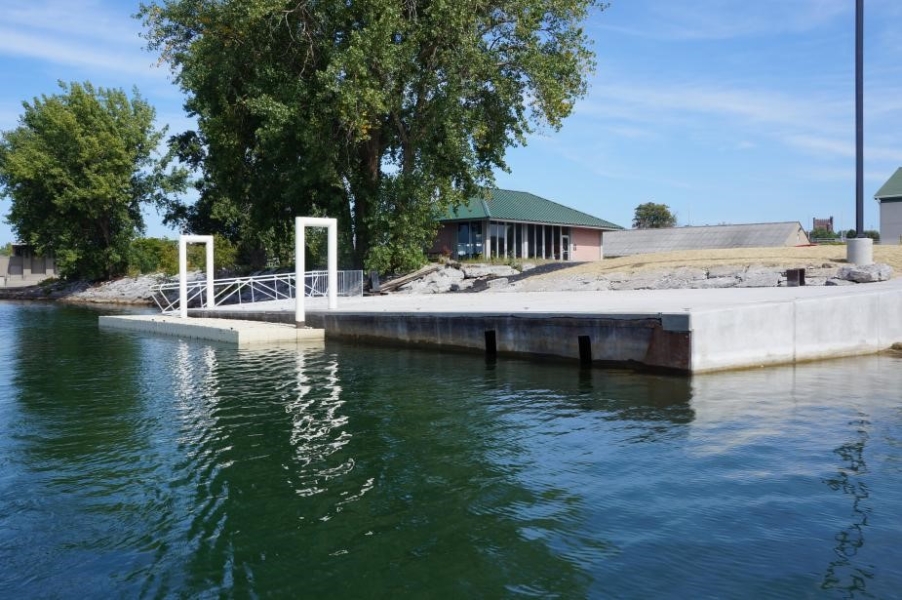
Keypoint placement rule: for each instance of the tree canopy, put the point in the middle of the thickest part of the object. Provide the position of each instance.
(78, 169)
(653, 216)
(380, 113)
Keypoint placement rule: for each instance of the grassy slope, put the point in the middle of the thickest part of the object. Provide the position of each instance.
(802, 257)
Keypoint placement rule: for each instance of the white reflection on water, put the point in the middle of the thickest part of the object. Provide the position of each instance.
(197, 386)
(318, 427)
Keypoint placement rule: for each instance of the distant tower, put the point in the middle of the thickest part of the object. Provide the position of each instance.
(825, 224)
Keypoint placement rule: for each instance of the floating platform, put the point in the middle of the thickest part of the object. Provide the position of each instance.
(239, 332)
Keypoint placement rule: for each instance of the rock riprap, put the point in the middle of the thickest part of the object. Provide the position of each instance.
(503, 278)
(497, 279)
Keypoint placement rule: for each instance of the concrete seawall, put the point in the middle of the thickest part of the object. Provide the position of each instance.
(845, 324)
(660, 342)
(687, 331)
(691, 331)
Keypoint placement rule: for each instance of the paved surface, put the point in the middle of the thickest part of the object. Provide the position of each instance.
(597, 302)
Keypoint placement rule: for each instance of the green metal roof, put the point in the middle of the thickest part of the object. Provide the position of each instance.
(507, 205)
(892, 188)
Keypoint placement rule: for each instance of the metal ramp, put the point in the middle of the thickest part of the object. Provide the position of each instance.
(239, 291)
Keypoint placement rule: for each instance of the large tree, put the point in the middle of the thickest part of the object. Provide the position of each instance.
(78, 169)
(653, 216)
(381, 112)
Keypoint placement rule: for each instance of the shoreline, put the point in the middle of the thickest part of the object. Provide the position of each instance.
(480, 278)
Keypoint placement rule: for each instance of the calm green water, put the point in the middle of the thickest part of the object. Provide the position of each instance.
(140, 466)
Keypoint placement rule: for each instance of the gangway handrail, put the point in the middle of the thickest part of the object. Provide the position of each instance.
(260, 288)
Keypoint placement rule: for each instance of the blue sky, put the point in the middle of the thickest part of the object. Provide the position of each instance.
(728, 111)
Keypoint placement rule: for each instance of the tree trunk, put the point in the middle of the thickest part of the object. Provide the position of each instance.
(366, 194)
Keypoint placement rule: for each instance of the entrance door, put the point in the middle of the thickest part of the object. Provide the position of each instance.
(565, 247)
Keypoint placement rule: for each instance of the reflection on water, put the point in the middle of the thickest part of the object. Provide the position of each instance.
(318, 430)
(138, 466)
(846, 572)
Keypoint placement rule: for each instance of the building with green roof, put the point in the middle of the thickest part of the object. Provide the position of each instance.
(889, 196)
(505, 223)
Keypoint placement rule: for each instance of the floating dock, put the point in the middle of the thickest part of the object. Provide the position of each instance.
(241, 333)
(686, 331)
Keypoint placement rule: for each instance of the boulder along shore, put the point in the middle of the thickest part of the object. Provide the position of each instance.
(560, 277)
(488, 278)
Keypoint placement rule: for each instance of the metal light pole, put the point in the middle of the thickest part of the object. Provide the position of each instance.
(860, 250)
(859, 118)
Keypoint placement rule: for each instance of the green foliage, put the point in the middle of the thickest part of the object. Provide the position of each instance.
(153, 255)
(653, 216)
(820, 233)
(7, 249)
(363, 111)
(403, 226)
(225, 255)
(78, 169)
(868, 233)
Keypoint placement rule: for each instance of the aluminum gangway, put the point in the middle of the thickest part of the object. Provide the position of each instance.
(236, 291)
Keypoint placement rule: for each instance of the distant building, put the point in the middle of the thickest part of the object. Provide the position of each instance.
(521, 225)
(889, 196)
(25, 267)
(708, 237)
(823, 224)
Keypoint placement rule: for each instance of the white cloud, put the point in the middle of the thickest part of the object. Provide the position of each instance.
(71, 52)
(84, 19)
(822, 146)
(626, 131)
(727, 19)
(846, 175)
(845, 149)
(746, 108)
(86, 34)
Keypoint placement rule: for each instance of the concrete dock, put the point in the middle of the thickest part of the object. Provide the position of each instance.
(688, 331)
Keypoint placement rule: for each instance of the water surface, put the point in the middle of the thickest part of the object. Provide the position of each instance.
(142, 466)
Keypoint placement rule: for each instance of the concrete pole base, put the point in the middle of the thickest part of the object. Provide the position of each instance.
(860, 251)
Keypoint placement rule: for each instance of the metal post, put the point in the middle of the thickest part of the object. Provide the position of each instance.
(210, 294)
(860, 250)
(183, 277)
(184, 240)
(333, 265)
(300, 223)
(859, 118)
(299, 285)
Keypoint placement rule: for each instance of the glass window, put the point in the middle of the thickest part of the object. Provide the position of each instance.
(496, 239)
(463, 240)
(511, 240)
(476, 229)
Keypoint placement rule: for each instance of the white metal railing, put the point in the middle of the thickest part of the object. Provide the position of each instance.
(256, 288)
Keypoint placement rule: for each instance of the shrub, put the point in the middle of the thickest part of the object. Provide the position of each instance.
(869, 233)
(153, 255)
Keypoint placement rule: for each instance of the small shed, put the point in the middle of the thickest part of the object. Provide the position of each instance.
(707, 237)
(889, 196)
